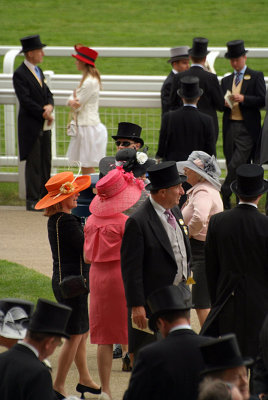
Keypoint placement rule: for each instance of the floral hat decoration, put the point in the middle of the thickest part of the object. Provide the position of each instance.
(130, 160)
(116, 192)
(61, 186)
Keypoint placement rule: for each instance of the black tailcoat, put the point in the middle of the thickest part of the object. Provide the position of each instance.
(183, 131)
(211, 100)
(165, 92)
(254, 90)
(23, 376)
(237, 273)
(169, 369)
(32, 98)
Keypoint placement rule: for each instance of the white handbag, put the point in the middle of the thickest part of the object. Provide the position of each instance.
(72, 126)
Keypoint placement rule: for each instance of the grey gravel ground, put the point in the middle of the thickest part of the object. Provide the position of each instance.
(24, 241)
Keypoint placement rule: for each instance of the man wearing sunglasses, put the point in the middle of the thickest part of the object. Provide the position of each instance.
(128, 136)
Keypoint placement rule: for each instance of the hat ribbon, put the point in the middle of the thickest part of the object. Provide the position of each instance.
(85, 56)
(67, 187)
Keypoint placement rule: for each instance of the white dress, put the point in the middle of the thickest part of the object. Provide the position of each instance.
(89, 146)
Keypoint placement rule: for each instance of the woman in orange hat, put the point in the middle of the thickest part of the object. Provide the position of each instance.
(116, 192)
(66, 239)
(89, 145)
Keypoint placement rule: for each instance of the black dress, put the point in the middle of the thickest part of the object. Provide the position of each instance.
(71, 241)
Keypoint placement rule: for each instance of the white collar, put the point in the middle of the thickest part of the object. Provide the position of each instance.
(248, 203)
(179, 327)
(157, 206)
(30, 65)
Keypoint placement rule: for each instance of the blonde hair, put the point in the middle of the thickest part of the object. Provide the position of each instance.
(54, 209)
(92, 71)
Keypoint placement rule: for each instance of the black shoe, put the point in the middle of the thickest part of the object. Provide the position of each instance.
(83, 389)
(126, 367)
(59, 395)
(117, 353)
(30, 206)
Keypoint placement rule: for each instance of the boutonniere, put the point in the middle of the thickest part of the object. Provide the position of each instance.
(247, 77)
(190, 281)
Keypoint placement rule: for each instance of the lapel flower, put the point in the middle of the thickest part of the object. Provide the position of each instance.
(67, 188)
(141, 157)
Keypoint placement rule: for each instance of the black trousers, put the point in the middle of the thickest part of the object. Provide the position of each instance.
(237, 148)
(38, 167)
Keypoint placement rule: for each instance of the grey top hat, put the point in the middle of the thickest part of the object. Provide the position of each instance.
(164, 175)
(14, 314)
(31, 43)
(166, 299)
(222, 353)
(199, 48)
(235, 49)
(190, 87)
(50, 318)
(178, 53)
(249, 181)
(204, 165)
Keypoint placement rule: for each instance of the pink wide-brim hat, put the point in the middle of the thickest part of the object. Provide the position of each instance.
(116, 192)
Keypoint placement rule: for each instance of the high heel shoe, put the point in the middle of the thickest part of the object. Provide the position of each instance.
(83, 389)
(59, 395)
(126, 363)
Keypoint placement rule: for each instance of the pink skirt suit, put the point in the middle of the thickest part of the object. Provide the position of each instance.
(108, 309)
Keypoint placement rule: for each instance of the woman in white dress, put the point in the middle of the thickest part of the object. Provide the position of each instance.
(89, 145)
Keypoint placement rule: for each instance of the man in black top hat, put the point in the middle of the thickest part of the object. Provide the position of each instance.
(212, 98)
(241, 117)
(179, 60)
(223, 360)
(170, 368)
(35, 119)
(236, 264)
(186, 129)
(23, 376)
(155, 249)
(128, 136)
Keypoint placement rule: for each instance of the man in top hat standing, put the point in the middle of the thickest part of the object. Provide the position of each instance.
(170, 368)
(186, 129)
(155, 248)
(128, 136)
(236, 264)
(223, 360)
(179, 60)
(212, 98)
(35, 119)
(23, 376)
(242, 122)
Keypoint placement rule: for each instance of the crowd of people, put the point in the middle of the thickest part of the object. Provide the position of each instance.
(161, 240)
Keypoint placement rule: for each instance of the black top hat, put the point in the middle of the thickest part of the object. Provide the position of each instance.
(7, 303)
(178, 53)
(127, 130)
(222, 353)
(199, 49)
(31, 43)
(164, 175)
(249, 181)
(235, 49)
(50, 318)
(190, 87)
(129, 159)
(166, 299)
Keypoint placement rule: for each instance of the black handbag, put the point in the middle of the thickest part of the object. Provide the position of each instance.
(72, 285)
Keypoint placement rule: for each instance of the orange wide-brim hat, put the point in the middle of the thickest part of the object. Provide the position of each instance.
(61, 186)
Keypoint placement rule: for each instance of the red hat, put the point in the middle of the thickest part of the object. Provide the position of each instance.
(61, 186)
(116, 192)
(85, 54)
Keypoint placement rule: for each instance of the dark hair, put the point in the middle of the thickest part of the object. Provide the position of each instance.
(197, 60)
(154, 191)
(38, 336)
(190, 101)
(172, 315)
(248, 199)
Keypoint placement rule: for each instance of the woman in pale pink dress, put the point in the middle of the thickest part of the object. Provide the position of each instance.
(116, 192)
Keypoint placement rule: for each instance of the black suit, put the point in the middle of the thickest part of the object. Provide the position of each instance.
(165, 92)
(253, 88)
(34, 143)
(23, 376)
(147, 258)
(237, 273)
(168, 369)
(183, 131)
(210, 101)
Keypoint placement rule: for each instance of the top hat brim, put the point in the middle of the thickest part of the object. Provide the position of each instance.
(83, 59)
(238, 362)
(32, 48)
(133, 138)
(177, 181)
(181, 94)
(255, 193)
(178, 58)
(229, 56)
(106, 164)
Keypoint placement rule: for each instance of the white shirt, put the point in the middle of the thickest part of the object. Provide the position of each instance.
(179, 327)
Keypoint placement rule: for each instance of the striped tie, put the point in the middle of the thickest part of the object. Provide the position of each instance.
(238, 78)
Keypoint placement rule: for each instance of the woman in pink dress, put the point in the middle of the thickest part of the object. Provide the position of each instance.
(116, 192)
